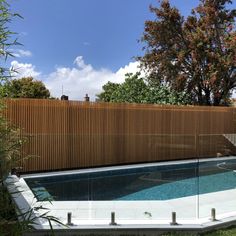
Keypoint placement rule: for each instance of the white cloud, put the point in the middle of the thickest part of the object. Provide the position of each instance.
(79, 61)
(77, 80)
(22, 53)
(234, 94)
(132, 67)
(83, 78)
(23, 70)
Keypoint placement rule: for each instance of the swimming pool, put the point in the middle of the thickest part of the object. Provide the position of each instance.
(139, 183)
(142, 195)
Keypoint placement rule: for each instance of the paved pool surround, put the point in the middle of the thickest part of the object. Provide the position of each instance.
(193, 213)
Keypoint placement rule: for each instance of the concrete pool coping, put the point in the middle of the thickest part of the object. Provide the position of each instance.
(132, 166)
(25, 199)
(132, 230)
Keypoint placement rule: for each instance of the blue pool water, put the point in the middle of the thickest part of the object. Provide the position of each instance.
(143, 183)
(186, 187)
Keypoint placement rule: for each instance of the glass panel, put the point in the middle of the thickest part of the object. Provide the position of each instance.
(217, 177)
(167, 188)
(151, 192)
(144, 193)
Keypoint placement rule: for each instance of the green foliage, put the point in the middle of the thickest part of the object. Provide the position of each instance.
(10, 147)
(7, 38)
(133, 90)
(10, 140)
(136, 90)
(9, 224)
(163, 95)
(196, 55)
(108, 91)
(25, 88)
(223, 232)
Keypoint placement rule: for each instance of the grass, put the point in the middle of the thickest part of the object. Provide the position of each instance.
(224, 232)
(231, 231)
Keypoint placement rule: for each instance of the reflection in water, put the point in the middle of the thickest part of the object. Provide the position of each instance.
(146, 183)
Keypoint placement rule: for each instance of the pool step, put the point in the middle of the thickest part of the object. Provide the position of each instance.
(231, 138)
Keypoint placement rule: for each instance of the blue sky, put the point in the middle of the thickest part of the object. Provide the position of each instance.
(68, 41)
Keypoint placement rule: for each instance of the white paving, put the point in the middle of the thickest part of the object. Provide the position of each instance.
(192, 211)
(189, 210)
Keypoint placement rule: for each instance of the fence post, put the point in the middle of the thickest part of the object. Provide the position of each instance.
(113, 221)
(173, 219)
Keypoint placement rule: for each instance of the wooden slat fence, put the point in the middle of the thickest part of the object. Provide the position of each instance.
(69, 134)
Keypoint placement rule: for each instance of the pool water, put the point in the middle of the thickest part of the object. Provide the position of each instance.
(158, 182)
(186, 187)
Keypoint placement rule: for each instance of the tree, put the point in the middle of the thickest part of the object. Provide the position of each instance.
(26, 88)
(196, 55)
(136, 90)
(133, 90)
(108, 90)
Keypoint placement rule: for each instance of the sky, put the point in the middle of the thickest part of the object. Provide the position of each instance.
(76, 46)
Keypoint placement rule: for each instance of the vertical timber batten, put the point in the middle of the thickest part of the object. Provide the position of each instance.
(70, 134)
